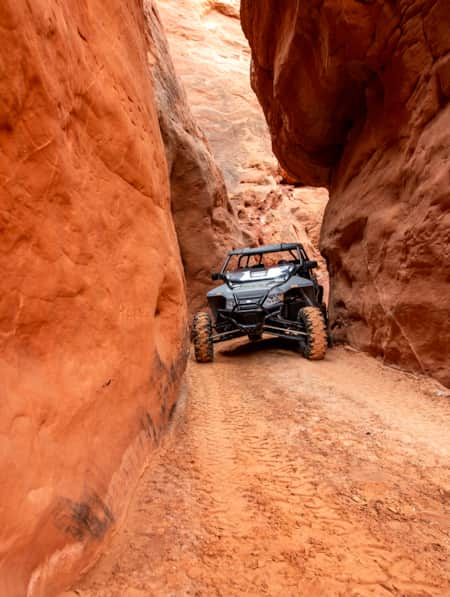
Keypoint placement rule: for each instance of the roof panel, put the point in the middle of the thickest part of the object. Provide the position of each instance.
(266, 249)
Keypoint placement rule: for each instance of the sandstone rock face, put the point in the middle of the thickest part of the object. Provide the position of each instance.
(92, 300)
(285, 214)
(356, 95)
(212, 59)
(205, 221)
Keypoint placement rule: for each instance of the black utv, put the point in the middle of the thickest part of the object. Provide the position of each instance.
(271, 290)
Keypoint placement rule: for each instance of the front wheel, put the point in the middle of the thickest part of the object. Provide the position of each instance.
(202, 337)
(316, 338)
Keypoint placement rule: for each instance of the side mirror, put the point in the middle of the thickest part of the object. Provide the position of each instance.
(217, 276)
(310, 264)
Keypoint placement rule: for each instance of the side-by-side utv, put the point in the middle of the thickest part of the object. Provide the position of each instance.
(265, 290)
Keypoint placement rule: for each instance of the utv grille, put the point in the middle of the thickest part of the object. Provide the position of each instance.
(248, 318)
(249, 286)
(248, 301)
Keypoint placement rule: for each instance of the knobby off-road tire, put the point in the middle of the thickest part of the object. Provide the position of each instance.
(202, 338)
(316, 340)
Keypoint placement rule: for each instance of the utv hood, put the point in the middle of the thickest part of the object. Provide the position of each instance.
(260, 287)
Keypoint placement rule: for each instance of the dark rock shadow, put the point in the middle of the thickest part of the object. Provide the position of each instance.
(247, 348)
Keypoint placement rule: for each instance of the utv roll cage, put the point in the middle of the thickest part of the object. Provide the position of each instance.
(296, 251)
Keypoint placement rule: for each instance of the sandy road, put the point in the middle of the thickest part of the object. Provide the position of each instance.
(286, 477)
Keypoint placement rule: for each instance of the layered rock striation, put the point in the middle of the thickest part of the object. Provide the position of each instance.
(356, 95)
(92, 295)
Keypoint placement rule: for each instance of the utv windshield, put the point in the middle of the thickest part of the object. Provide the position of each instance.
(264, 266)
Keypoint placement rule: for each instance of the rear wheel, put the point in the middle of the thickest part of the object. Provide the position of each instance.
(316, 339)
(202, 337)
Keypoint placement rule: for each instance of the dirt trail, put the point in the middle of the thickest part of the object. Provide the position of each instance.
(286, 477)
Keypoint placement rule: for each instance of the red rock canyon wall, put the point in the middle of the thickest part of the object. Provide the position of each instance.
(212, 59)
(92, 299)
(205, 221)
(356, 95)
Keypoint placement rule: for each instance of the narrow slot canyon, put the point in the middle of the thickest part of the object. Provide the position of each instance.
(141, 142)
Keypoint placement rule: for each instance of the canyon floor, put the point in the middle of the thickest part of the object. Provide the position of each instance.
(281, 476)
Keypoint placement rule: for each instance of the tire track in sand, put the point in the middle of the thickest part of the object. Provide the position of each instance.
(270, 485)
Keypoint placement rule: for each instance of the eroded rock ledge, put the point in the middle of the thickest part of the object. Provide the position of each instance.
(356, 95)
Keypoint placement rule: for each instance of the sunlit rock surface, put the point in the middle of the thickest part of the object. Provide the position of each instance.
(356, 95)
(212, 58)
(205, 221)
(92, 299)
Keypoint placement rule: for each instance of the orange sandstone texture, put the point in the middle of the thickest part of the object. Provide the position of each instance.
(212, 58)
(205, 222)
(92, 300)
(356, 95)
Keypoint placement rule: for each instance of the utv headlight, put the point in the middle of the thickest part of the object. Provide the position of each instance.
(273, 299)
(229, 304)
